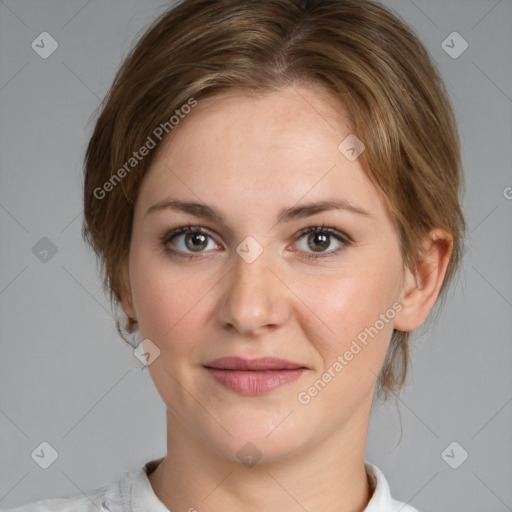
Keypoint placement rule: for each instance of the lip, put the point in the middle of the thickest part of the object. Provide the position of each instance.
(260, 363)
(254, 376)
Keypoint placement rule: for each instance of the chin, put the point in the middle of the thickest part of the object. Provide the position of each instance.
(259, 437)
(250, 450)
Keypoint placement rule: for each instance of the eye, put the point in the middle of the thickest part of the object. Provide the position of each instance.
(188, 240)
(195, 239)
(319, 238)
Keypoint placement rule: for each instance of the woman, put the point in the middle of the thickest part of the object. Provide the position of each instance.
(272, 190)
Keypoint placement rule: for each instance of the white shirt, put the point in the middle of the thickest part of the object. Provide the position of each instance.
(133, 493)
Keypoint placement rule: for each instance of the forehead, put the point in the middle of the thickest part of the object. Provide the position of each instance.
(262, 151)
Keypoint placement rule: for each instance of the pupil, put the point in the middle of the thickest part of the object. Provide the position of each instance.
(195, 242)
(323, 241)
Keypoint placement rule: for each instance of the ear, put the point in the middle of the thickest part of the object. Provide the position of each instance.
(127, 304)
(126, 293)
(421, 286)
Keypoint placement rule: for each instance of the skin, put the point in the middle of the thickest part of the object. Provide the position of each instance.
(249, 157)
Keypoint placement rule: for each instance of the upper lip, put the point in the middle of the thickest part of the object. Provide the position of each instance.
(260, 363)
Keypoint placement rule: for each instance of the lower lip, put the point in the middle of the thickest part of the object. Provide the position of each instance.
(254, 382)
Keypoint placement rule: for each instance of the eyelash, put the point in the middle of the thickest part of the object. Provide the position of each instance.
(189, 228)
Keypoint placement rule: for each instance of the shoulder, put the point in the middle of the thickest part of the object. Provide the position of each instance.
(381, 500)
(131, 491)
(93, 500)
(399, 506)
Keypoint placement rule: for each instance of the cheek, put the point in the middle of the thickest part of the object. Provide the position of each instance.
(354, 346)
(169, 300)
(170, 304)
(355, 312)
(174, 302)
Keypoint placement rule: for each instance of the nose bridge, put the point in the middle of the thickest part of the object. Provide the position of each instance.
(255, 297)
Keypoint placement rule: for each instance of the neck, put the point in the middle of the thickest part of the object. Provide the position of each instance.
(330, 476)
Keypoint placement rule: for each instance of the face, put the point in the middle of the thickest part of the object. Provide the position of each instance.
(268, 334)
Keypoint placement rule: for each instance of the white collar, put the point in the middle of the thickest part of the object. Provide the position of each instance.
(138, 496)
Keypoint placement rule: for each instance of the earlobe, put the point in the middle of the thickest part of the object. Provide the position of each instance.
(422, 284)
(127, 303)
(129, 310)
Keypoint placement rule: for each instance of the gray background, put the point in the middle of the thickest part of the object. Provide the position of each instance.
(66, 377)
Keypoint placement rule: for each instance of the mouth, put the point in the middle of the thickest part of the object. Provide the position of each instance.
(254, 376)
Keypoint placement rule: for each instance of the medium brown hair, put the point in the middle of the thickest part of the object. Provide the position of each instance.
(358, 50)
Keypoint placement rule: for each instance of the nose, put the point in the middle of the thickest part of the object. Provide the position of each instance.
(255, 298)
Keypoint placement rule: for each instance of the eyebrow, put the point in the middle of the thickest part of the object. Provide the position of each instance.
(285, 215)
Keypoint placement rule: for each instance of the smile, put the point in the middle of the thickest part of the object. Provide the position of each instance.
(254, 376)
